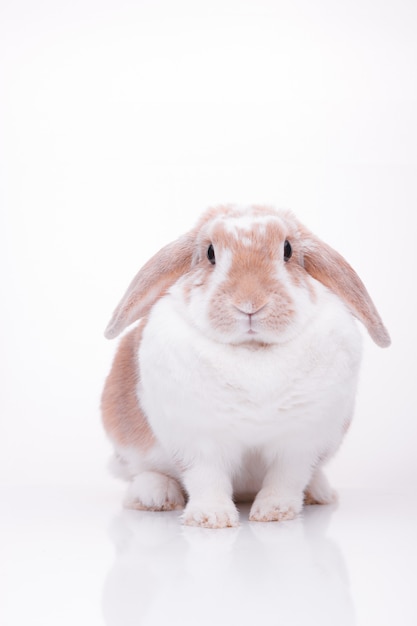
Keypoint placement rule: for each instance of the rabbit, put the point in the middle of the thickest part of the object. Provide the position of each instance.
(238, 382)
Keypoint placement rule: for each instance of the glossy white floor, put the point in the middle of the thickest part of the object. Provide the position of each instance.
(72, 556)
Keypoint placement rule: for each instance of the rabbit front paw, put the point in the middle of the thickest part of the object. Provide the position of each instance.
(270, 508)
(211, 515)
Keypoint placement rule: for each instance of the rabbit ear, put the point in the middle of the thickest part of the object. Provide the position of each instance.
(331, 269)
(151, 282)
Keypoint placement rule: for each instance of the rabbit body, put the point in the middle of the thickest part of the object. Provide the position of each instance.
(230, 412)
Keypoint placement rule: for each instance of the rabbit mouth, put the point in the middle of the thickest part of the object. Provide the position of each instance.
(251, 323)
(248, 326)
(251, 327)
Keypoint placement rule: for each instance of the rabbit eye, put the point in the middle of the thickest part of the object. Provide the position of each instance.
(210, 254)
(287, 250)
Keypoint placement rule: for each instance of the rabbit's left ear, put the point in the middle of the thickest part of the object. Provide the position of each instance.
(151, 282)
(330, 268)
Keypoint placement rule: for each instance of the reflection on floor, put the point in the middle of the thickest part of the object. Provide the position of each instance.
(290, 573)
(71, 556)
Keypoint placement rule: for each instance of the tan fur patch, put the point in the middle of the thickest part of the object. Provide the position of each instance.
(123, 419)
(252, 283)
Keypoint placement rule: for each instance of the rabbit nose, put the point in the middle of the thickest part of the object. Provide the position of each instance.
(249, 308)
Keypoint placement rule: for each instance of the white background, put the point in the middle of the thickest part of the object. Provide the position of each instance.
(121, 121)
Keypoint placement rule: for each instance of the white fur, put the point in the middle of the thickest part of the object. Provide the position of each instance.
(245, 222)
(211, 404)
(239, 418)
(319, 489)
(154, 491)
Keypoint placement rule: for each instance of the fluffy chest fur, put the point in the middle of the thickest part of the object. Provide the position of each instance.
(198, 393)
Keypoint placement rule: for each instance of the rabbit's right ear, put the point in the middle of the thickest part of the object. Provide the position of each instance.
(151, 282)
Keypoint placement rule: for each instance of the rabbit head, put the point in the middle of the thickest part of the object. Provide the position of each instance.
(247, 275)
